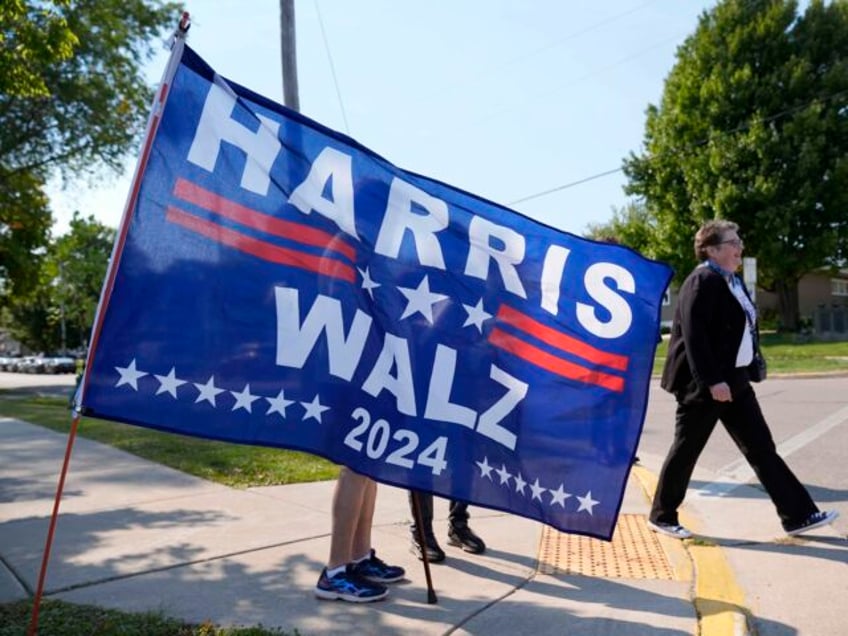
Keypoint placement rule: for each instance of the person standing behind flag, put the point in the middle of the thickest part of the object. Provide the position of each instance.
(459, 533)
(354, 573)
(713, 342)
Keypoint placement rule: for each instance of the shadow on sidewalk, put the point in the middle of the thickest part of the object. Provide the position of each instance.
(715, 607)
(806, 547)
(15, 489)
(754, 490)
(137, 560)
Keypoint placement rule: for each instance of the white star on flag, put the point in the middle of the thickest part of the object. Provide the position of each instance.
(244, 399)
(278, 404)
(520, 484)
(587, 503)
(314, 409)
(368, 283)
(485, 469)
(536, 490)
(559, 496)
(130, 375)
(169, 383)
(503, 473)
(476, 315)
(421, 300)
(208, 391)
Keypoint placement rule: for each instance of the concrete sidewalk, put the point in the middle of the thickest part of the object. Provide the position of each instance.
(134, 535)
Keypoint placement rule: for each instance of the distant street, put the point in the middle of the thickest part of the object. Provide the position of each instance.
(48, 384)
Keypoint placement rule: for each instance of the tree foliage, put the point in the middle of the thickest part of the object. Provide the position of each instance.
(753, 127)
(33, 37)
(58, 312)
(74, 100)
(631, 225)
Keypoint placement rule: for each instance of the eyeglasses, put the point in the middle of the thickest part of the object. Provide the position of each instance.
(736, 242)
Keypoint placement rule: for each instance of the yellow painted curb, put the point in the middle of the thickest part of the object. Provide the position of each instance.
(718, 599)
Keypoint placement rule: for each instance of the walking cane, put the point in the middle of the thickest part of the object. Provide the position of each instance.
(419, 528)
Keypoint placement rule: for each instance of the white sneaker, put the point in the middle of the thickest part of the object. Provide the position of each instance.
(669, 529)
(815, 520)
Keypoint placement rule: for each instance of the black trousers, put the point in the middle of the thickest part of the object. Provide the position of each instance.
(743, 419)
(457, 512)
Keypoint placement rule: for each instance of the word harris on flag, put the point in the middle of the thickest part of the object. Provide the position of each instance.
(276, 283)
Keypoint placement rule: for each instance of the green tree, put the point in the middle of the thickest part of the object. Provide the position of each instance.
(631, 225)
(58, 312)
(74, 101)
(753, 127)
(33, 37)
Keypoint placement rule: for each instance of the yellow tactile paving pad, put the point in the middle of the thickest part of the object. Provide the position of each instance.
(634, 553)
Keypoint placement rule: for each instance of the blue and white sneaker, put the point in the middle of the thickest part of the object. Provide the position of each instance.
(348, 586)
(815, 520)
(673, 530)
(374, 569)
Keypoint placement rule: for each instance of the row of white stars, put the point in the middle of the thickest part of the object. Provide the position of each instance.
(558, 496)
(421, 300)
(208, 392)
(244, 399)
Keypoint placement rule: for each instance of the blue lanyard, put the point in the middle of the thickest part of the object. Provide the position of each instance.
(728, 276)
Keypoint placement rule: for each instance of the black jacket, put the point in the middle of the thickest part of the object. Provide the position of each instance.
(706, 332)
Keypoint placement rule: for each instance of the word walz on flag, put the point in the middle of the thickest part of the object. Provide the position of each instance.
(276, 283)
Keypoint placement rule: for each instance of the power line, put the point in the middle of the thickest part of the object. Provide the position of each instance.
(563, 187)
(332, 67)
(738, 128)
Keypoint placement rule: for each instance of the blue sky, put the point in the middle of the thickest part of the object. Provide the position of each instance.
(503, 98)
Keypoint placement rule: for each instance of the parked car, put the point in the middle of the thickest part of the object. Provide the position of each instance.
(8, 362)
(59, 364)
(29, 364)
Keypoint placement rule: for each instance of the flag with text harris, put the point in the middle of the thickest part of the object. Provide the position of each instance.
(276, 283)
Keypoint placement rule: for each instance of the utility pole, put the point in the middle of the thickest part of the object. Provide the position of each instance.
(64, 350)
(289, 55)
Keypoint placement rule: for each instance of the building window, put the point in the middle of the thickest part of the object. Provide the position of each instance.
(839, 287)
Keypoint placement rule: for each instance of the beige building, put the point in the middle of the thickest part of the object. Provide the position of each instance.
(822, 303)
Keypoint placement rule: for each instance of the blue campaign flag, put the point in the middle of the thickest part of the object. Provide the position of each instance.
(276, 283)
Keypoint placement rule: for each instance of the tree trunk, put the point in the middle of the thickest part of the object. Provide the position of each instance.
(787, 295)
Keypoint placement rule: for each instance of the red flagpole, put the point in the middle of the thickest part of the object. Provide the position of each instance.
(42, 575)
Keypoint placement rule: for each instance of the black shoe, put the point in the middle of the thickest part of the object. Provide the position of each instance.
(464, 537)
(435, 554)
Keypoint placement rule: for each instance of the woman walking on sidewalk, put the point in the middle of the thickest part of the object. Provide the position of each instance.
(710, 356)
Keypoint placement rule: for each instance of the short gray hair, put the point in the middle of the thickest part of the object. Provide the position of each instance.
(711, 233)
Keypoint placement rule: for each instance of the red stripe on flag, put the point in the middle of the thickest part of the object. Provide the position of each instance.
(561, 341)
(551, 363)
(260, 249)
(193, 193)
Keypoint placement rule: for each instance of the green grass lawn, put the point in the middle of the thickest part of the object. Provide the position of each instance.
(235, 465)
(57, 618)
(785, 354)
